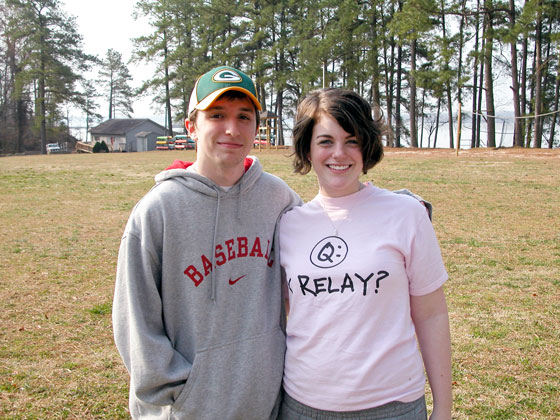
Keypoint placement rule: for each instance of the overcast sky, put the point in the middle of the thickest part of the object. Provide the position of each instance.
(106, 24)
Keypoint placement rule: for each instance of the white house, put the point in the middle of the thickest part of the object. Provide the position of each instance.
(128, 134)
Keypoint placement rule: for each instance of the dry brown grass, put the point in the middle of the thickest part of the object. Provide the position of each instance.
(496, 216)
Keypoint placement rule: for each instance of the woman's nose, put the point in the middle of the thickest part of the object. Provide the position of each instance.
(339, 150)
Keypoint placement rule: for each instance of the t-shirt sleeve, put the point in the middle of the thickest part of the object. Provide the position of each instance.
(424, 267)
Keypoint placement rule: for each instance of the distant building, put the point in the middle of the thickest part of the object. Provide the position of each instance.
(128, 134)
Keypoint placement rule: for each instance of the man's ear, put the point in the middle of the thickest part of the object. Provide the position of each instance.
(191, 129)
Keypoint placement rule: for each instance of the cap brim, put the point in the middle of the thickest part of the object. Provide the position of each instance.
(210, 99)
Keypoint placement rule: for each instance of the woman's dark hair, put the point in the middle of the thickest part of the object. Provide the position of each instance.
(353, 114)
(230, 95)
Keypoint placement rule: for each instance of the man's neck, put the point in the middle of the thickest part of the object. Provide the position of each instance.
(224, 177)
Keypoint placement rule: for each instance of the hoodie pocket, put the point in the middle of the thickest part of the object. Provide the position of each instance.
(236, 380)
(191, 381)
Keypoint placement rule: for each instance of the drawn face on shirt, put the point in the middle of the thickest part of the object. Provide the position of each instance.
(336, 157)
(224, 134)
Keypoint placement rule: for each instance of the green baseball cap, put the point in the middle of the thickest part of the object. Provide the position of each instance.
(211, 85)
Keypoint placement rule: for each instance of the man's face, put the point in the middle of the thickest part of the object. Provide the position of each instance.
(224, 134)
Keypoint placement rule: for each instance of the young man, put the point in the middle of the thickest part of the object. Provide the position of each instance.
(197, 310)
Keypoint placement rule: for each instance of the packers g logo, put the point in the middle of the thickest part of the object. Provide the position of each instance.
(226, 76)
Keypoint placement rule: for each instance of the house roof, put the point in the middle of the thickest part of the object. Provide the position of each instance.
(144, 133)
(120, 125)
(267, 114)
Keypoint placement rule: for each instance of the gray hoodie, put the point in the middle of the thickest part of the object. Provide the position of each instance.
(197, 312)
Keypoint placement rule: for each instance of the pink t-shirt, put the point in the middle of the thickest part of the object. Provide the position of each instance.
(351, 342)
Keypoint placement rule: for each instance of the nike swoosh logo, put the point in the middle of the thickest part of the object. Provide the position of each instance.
(236, 280)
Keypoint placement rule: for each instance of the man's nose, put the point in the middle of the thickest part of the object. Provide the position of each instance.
(232, 127)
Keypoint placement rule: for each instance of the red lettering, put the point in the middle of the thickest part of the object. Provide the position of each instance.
(231, 252)
(194, 275)
(206, 264)
(256, 250)
(267, 246)
(242, 249)
(221, 257)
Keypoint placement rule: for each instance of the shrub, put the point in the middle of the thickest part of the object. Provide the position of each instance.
(100, 147)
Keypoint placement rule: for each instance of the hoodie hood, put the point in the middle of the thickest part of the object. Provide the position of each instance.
(178, 171)
(180, 164)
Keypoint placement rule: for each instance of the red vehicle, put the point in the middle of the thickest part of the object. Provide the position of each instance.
(259, 142)
(183, 142)
(162, 143)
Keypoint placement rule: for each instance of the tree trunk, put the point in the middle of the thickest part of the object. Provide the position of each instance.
(480, 89)
(450, 113)
(41, 98)
(517, 130)
(398, 121)
(460, 68)
(523, 98)
(389, 76)
(537, 140)
(475, 133)
(530, 103)
(422, 119)
(87, 118)
(167, 95)
(21, 123)
(111, 98)
(389, 96)
(489, 83)
(376, 99)
(412, 108)
(437, 121)
(448, 83)
(279, 113)
(20, 108)
(375, 90)
(555, 116)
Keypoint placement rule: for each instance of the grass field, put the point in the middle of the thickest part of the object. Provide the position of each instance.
(497, 217)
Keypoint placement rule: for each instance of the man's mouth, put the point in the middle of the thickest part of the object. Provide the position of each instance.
(230, 144)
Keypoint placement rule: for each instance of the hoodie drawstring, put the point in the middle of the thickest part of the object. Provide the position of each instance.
(212, 282)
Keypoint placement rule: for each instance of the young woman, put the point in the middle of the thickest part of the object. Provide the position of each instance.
(364, 277)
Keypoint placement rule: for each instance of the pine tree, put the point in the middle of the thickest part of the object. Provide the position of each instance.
(51, 57)
(115, 76)
(410, 25)
(88, 103)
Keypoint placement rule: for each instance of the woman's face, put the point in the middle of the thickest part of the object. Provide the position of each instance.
(336, 157)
